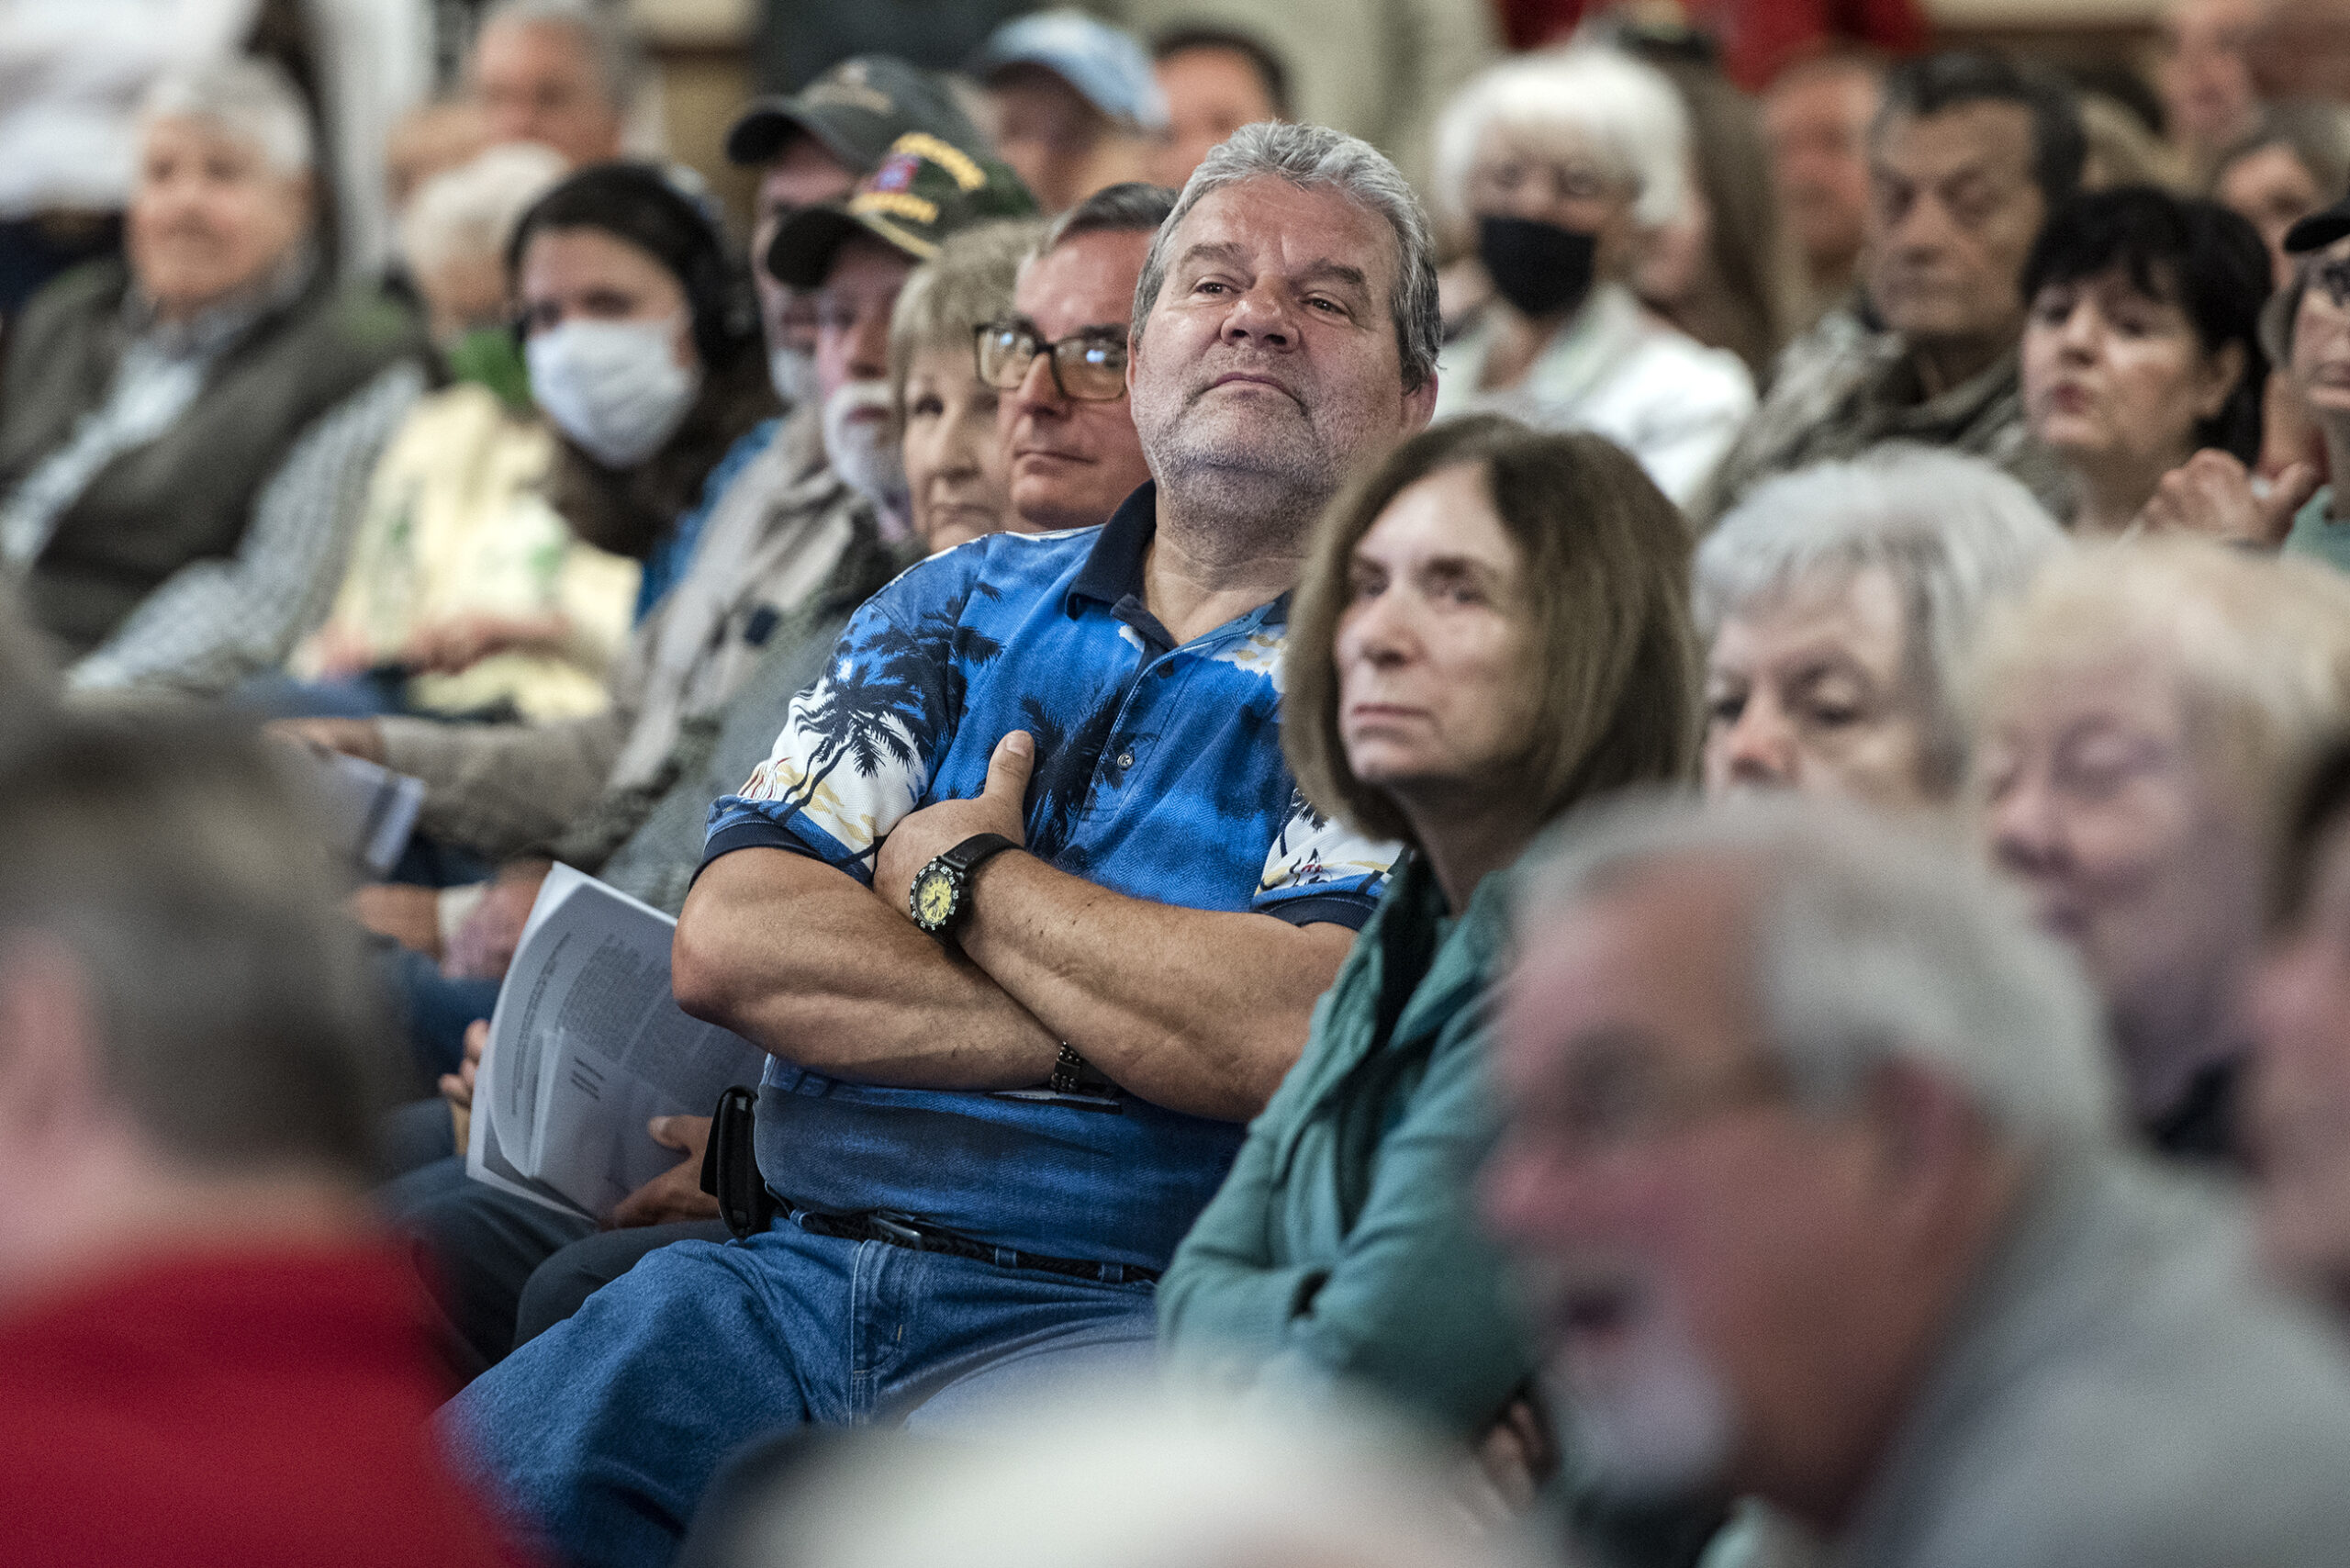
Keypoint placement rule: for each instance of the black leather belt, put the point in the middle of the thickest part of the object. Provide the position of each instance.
(927, 1238)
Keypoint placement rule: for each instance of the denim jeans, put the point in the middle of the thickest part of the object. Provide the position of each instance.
(604, 1430)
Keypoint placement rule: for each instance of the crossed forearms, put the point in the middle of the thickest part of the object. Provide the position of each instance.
(1197, 1011)
(809, 964)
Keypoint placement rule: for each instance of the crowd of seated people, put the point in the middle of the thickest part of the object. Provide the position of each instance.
(1637, 861)
(186, 431)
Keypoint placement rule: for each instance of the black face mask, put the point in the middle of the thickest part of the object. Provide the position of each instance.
(1541, 268)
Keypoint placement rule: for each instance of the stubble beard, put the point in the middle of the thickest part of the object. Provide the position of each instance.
(1240, 497)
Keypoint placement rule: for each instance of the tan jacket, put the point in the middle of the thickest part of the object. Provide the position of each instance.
(774, 537)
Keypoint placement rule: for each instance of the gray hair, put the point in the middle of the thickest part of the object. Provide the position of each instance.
(471, 210)
(1870, 944)
(969, 283)
(1633, 122)
(1310, 156)
(252, 100)
(2255, 648)
(1126, 207)
(174, 856)
(600, 29)
(1954, 533)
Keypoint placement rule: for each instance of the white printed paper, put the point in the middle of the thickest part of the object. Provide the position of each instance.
(586, 1044)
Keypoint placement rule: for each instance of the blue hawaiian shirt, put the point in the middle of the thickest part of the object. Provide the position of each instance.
(1159, 774)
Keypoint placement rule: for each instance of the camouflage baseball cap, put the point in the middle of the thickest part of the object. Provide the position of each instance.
(854, 111)
(925, 190)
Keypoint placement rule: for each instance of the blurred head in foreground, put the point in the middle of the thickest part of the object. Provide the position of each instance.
(1772, 1072)
(205, 1355)
(2139, 713)
(187, 1048)
(1128, 1477)
(2299, 1102)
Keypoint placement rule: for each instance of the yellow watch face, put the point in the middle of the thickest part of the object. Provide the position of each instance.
(935, 897)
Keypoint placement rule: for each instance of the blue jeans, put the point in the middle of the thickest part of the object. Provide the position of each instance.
(604, 1430)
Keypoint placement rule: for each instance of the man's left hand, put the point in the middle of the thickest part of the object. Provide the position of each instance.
(926, 834)
(675, 1195)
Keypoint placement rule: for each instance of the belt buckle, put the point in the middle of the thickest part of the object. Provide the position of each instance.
(896, 1231)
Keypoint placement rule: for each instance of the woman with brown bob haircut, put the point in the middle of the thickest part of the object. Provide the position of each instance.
(1493, 626)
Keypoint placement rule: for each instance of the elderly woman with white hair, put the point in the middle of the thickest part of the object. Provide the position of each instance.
(1564, 167)
(466, 592)
(2139, 713)
(1839, 604)
(185, 439)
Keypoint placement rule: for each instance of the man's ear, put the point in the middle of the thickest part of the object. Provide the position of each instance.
(1419, 406)
(52, 1079)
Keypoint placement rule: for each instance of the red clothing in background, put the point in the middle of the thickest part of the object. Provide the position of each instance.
(1758, 38)
(259, 1409)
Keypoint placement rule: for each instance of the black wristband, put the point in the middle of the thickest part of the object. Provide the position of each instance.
(976, 851)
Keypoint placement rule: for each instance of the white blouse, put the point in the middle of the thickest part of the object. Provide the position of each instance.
(1618, 372)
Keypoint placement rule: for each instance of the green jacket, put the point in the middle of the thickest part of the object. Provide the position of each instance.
(1343, 1245)
(2317, 532)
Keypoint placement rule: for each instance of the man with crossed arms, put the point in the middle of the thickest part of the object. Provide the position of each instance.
(1061, 751)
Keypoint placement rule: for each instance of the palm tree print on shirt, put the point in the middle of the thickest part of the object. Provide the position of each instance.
(1067, 756)
(891, 700)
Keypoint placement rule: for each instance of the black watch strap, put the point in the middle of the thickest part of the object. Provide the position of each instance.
(973, 852)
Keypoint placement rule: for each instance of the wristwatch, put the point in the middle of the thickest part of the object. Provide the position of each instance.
(940, 901)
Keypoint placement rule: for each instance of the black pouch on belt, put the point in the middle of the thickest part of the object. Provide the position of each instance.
(730, 1167)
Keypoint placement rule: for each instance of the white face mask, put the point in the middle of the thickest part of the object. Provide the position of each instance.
(615, 388)
(793, 375)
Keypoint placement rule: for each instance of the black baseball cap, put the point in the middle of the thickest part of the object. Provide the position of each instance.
(857, 111)
(922, 190)
(2318, 230)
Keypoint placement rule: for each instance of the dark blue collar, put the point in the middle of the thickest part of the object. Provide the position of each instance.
(1112, 574)
(1113, 570)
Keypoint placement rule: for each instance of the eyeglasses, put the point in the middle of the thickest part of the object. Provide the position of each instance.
(1616, 1100)
(1570, 181)
(1088, 367)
